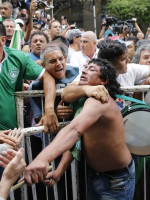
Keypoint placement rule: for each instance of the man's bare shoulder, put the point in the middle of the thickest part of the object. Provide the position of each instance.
(95, 104)
(103, 109)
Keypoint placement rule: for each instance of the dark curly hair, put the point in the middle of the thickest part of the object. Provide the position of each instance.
(111, 49)
(108, 73)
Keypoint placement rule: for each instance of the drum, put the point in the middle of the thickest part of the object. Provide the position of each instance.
(136, 119)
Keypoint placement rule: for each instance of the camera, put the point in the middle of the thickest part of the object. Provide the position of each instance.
(127, 25)
(108, 19)
(42, 4)
(119, 25)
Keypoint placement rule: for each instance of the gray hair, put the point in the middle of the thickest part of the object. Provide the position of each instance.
(137, 55)
(9, 20)
(8, 4)
(54, 46)
(91, 35)
(61, 45)
(48, 49)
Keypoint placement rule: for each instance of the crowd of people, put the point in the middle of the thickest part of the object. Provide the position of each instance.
(53, 54)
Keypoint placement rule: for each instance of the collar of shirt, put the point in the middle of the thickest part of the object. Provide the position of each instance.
(94, 56)
(5, 57)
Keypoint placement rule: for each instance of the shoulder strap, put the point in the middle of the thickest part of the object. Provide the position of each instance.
(130, 99)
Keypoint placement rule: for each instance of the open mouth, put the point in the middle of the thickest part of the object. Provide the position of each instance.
(59, 70)
(83, 78)
(39, 48)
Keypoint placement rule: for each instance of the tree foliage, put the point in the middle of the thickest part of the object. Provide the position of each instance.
(126, 9)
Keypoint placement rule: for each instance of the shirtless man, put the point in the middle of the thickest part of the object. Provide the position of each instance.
(101, 127)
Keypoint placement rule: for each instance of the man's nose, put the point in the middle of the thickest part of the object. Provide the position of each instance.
(58, 62)
(128, 60)
(38, 42)
(81, 44)
(84, 71)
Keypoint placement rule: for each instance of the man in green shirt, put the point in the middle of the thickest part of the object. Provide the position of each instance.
(14, 67)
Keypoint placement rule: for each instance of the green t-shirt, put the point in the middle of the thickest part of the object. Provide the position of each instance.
(16, 67)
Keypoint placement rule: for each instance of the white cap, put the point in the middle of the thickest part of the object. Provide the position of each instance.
(37, 11)
(19, 21)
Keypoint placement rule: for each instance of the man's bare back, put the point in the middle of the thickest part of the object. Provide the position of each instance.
(104, 142)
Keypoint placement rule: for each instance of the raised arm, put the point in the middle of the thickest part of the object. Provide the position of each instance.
(65, 139)
(137, 27)
(33, 7)
(72, 93)
(102, 30)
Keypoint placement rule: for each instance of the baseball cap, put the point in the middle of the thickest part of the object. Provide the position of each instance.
(19, 21)
(74, 33)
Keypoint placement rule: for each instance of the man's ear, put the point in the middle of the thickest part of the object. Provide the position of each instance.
(95, 42)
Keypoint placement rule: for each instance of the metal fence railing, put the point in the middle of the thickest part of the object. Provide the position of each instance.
(35, 130)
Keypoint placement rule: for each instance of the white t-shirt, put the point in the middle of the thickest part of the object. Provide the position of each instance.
(78, 59)
(70, 52)
(135, 73)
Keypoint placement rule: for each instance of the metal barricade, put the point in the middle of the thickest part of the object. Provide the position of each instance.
(35, 130)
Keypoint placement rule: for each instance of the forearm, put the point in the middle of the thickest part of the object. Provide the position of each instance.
(65, 31)
(73, 93)
(65, 162)
(102, 32)
(4, 188)
(49, 92)
(63, 142)
(138, 28)
(29, 28)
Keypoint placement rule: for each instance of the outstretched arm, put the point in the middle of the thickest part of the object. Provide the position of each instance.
(54, 176)
(49, 119)
(65, 139)
(72, 93)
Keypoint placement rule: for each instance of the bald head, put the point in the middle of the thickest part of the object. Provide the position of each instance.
(88, 43)
(91, 35)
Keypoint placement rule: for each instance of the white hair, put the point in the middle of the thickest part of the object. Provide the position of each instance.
(91, 35)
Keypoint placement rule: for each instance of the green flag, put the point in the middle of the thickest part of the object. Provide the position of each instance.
(17, 38)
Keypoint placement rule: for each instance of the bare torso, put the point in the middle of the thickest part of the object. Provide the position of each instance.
(104, 142)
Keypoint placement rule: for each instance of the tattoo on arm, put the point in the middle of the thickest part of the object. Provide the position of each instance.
(79, 134)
